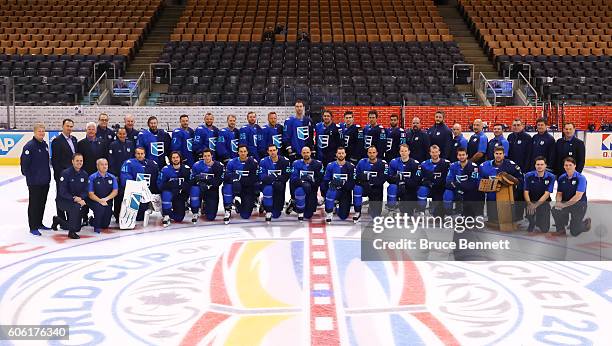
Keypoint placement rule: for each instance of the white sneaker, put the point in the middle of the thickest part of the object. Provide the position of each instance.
(194, 218)
(145, 220)
(356, 217)
(166, 221)
(301, 217)
(328, 217)
(268, 217)
(226, 217)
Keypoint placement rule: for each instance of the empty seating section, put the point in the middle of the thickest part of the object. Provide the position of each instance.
(43, 42)
(548, 27)
(350, 73)
(324, 21)
(567, 43)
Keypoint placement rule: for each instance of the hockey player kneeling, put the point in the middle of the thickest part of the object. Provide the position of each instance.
(371, 175)
(139, 181)
(240, 184)
(305, 180)
(274, 171)
(175, 185)
(338, 184)
(206, 178)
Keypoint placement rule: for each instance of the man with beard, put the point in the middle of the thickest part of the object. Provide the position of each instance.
(403, 181)
(119, 151)
(520, 146)
(542, 144)
(174, 183)
(250, 135)
(131, 132)
(433, 180)
(441, 135)
(140, 169)
(274, 172)
(462, 186)
(374, 135)
(305, 181)
(206, 136)
(328, 138)
(418, 141)
(396, 136)
(498, 140)
(298, 132)
(240, 184)
(227, 142)
(103, 132)
(337, 187)
(352, 135)
(569, 146)
(370, 177)
(155, 141)
(182, 140)
(272, 133)
(206, 178)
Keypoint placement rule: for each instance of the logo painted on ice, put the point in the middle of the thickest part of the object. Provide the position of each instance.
(7, 142)
(277, 140)
(157, 148)
(323, 141)
(189, 144)
(212, 143)
(302, 132)
(144, 176)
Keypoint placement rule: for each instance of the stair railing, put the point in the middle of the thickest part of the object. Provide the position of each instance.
(527, 89)
(486, 85)
(100, 85)
(135, 92)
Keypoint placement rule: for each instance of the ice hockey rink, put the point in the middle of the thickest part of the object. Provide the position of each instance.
(286, 283)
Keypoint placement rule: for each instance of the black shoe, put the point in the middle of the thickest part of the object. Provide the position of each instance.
(84, 222)
(290, 207)
(55, 223)
(91, 220)
(73, 235)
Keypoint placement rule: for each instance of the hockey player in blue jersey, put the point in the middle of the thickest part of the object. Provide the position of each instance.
(418, 141)
(498, 140)
(274, 172)
(227, 142)
(352, 135)
(477, 145)
(271, 133)
(140, 168)
(155, 141)
(174, 183)
(327, 138)
(206, 178)
(370, 176)
(182, 140)
(306, 178)
(441, 135)
(396, 136)
(206, 136)
(458, 142)
(298, 132)
(404, 180)
(337, 187)
(433, 175)
(491, 168)
(250, 135)
(240, 184)
(374, 135)
(462, 186)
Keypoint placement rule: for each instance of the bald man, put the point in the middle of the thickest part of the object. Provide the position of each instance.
(477, 145)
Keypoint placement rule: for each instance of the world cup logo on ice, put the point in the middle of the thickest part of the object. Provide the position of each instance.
(323, 141)
(302, 132)
(606, 145)
(157, 148)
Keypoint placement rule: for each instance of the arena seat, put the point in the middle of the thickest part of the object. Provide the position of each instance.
(266, 73)
(42, 40)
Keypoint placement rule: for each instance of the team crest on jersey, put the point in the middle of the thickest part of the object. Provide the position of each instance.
(367, 141)
(405, 175)
(460, 178)
(277, 140)
(437, 175)
(110, 181)
(212, 143)
(519, 141)
(573, 182)
(157, 148)
(341, 176)
(144, 176)
(274, 172)
(241, 173)
(302, 132)
(370, 175)
(189, 144)
(475, 139)
(389, 144)
(546, 182)
(307, 174)
(541, 142)
(181, 180)
(346, 140)
(234, 145)
(323, 141)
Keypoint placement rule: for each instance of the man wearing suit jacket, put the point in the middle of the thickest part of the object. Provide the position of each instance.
(62, 148)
